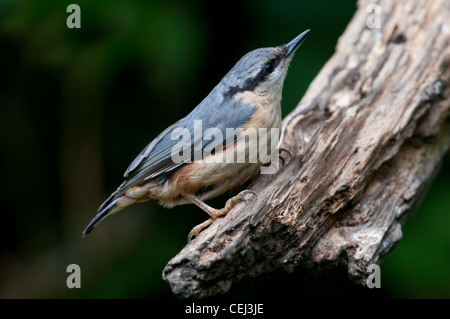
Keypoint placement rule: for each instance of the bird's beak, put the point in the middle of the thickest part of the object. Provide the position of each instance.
(294, 44)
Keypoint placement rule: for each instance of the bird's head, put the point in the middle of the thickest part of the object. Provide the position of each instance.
(262, 71)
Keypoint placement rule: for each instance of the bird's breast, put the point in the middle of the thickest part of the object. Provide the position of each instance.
(268, 109)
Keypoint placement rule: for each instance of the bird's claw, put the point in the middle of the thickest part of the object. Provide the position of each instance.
(229, 205)
(197, 229)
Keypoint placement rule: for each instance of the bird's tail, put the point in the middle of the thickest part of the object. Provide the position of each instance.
(102, 214)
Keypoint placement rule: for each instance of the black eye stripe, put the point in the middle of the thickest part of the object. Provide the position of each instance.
(272, 64)
(268, 67)
(251, 83)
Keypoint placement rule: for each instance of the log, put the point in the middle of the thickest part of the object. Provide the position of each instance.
(366, 141)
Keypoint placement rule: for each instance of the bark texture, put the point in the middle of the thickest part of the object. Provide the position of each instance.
(366, 141)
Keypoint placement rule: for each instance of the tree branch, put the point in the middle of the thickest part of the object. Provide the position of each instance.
(367, 139)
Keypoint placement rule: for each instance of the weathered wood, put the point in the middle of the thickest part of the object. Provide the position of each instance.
(367, 139)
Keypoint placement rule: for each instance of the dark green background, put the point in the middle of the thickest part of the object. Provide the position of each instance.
(77, 105)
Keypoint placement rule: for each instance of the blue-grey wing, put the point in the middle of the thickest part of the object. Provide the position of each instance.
(156, 161)
(148, 150)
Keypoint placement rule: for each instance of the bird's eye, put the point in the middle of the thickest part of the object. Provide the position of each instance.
(268, 67)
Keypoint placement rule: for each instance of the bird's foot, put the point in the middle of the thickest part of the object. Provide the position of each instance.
(216, 213)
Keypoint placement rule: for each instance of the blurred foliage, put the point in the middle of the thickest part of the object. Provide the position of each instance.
(77, 105)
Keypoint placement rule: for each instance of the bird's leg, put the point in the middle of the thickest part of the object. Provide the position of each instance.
(214, 213)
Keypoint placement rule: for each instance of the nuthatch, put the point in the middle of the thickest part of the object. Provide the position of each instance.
(246, 100)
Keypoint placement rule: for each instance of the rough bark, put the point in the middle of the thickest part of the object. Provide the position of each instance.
(366, 141)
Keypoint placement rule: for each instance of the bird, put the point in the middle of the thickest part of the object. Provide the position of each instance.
(246, 100)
